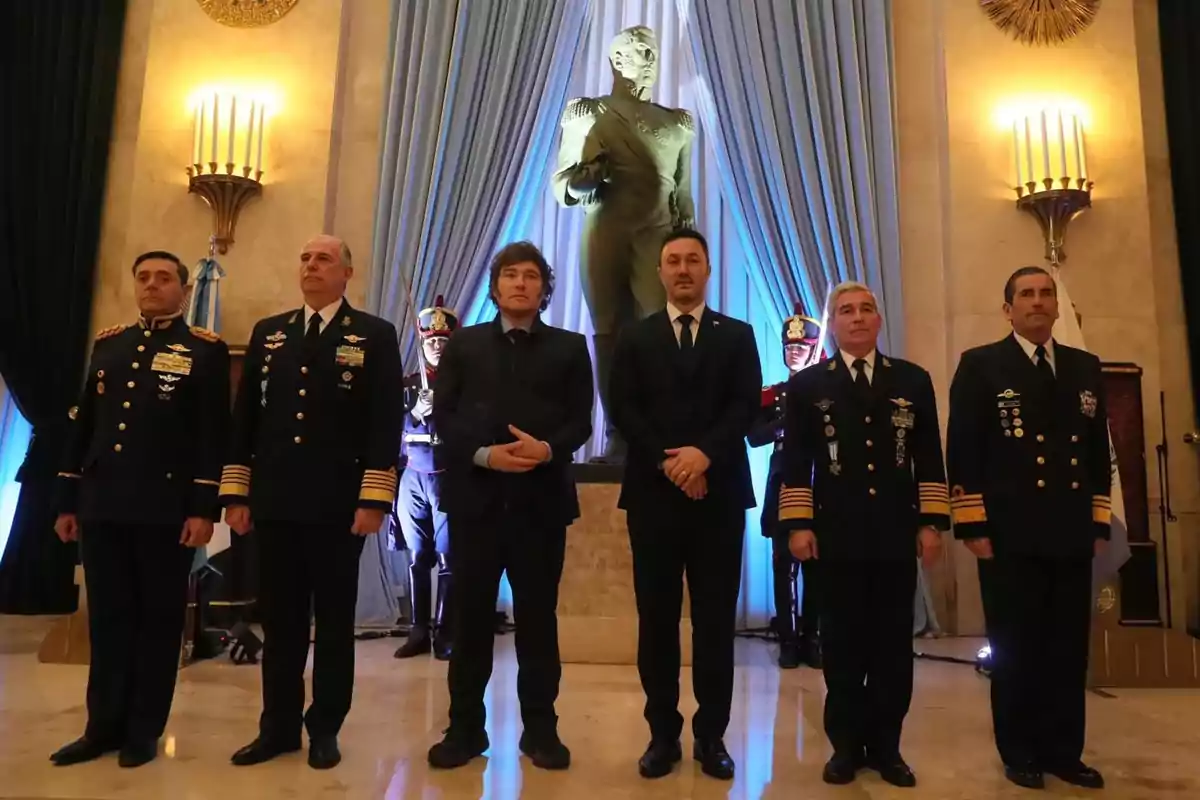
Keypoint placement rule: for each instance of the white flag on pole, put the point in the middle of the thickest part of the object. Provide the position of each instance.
(1104, 569)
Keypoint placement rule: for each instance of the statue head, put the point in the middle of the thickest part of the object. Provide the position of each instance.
(633, 54)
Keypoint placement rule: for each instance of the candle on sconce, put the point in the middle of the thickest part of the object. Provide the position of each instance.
(1062, 145)
(250, 134)
(1028, 153)
(197, 133)
(258, 159)
(1045, 145)
(1075, 143)
(232, 123)
(214, 129)
(1083, 165)
(1017, 154)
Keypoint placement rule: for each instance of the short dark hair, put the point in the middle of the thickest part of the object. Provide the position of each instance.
(519, 253)
(686, 233)
(1010, 286)
(163, 255)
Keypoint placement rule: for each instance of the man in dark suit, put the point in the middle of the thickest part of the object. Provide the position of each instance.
(514, 403)
(864, 491)
(313, 469)
(685, 389)
(1028, 452)
(796, 610)
(139, 491)
(423, 521)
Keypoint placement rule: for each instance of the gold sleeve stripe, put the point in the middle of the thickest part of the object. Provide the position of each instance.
(235, 470)
(1101, 500)
(797, 512)
(239, 489)
(376, 495)
(966, 515)
(795, 503)
(235, 480)
(204, 482)
(69, 475)
(1102, 509)
(935, 507)
(939, 488)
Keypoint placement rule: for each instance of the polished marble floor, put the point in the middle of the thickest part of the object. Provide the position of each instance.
(1146, 742)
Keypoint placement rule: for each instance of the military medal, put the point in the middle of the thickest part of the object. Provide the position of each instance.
(277, 336)
(353, 338)
(1019, 432)
(835, 468)
(1088, 403)
(178, 348)
(829, 430)
(347, 375)
(100, 387)
(348, 356)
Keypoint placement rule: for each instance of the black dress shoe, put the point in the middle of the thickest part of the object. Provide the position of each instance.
(714, 759)
(841, 769)
(546, 750)
(323, 752)
(443, 646)
(810, 653)
(1079, 774)
(789, 654)
(261, 750)
(893, 770)
(1025, 775)
(660, 758)
(457, 749)
(136, 753)
(418, 644)
(81, 750)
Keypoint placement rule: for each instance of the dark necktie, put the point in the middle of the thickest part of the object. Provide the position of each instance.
(518, 336)
(686, 342)
(1043, 364)
(861, 384)
(313, 334)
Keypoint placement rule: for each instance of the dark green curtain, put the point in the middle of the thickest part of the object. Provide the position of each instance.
(1179, 33)
(58, 81)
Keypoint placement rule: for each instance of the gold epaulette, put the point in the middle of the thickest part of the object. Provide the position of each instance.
(934, 498)
(204, 333)
(795, 504)
(685, 119)
(113, 330)
(966, 509)
(580, 108)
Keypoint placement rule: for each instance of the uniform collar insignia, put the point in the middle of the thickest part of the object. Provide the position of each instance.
(158, 323)
(833, 362)
(178, 348)
(277, 336)
(346, 321)
(885, 361)
(293, 318)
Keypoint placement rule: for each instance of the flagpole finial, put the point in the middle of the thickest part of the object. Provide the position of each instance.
(212, 246)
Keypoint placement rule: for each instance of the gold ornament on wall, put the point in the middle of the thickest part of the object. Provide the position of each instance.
(246, 13)
(1045, 22)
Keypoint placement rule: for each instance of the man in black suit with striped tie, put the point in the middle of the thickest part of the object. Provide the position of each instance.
(685, 390)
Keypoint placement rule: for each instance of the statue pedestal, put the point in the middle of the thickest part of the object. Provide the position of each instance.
(597, 610)
(67, 641)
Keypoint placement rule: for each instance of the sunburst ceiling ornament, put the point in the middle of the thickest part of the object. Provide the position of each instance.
(1045, 22)
(246, 13)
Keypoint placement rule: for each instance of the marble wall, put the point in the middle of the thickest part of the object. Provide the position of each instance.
(325, 62)
(962, 237)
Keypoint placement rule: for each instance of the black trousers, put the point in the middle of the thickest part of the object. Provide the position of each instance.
(1038, 614)
(306, 571)
(136, 578)
(797, 611)
(532, 552)
(706, 545)
(866, 634)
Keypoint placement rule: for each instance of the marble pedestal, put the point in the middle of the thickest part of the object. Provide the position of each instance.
(597, 610)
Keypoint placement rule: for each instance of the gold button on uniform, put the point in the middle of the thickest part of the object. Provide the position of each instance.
(1074, 462)
(1075, 439)
(871, 491)
(1075, 484)
(299, 415)
(867, 420)
(303, 392)
(125, 404)
(121, 427)
(297, 440)
(1041, 438)
(870, 443)
(1041, 484)
(146, 334)
(136, 365)
(131, 384)
(870, 467)
(141, 348)
(1041, 460)
(169, 476)
(117, 447)
(304, 370)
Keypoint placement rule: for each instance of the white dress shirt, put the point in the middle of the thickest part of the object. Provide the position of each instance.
(1031, 350)
(674, 314)
(870, 368)
(327, 314)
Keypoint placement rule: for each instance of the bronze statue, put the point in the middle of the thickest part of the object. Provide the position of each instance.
(628, 163)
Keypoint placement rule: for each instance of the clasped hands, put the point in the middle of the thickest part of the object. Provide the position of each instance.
(520, 456)
(686, 467)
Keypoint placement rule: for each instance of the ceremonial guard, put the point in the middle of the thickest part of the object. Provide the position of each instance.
(419, 502)
(1028, 453)
(864, 492)
(796, 608)
(138, 491)
(313, 469)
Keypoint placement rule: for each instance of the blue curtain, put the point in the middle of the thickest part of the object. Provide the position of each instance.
(797, 98)
(14, 439)
(475, 93)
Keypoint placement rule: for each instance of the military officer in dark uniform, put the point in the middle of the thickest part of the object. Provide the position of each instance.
(422, 520)
(313, 469)
(1028, 453)
(139, 491)
(796, 609)
(864, 491)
